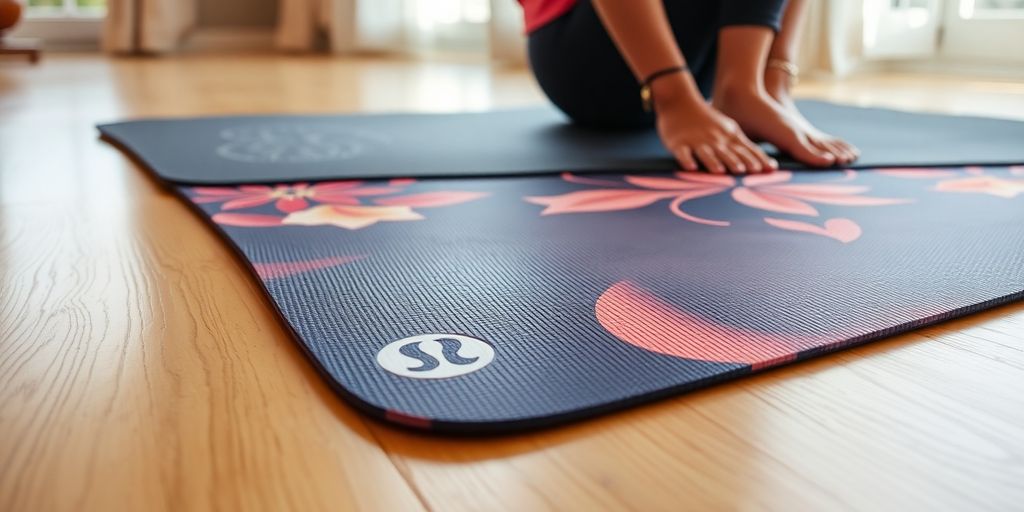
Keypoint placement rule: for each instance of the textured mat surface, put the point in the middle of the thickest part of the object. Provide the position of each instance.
(499, 304)
(271, 148)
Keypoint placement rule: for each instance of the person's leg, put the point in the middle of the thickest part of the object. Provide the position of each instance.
(581, 71)
(747, 36)
(778, 80)
(740, 94)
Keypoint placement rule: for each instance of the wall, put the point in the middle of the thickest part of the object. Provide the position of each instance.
(236, 13)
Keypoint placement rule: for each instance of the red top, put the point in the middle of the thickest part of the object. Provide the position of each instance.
(540, 12)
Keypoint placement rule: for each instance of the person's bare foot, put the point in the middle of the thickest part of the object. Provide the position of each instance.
(777, 85)
(763, 120)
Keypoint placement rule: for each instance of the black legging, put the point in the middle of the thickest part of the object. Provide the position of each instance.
(582, 73)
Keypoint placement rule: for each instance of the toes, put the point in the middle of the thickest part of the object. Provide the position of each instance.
(730, 159)
(709, 159)
(843, 151)
(749, 159)
(842, 155)
(851, 151)
(803, 150)
(827, 146)
(685, 157)
(765, 162)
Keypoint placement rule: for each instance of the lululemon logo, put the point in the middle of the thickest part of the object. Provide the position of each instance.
(435, 356)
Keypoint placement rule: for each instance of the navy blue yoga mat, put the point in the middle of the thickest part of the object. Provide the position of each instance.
(249, 149)
(482, 305)
(498, 303)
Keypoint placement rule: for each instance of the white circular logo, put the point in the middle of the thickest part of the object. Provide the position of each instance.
(294, 143)
(435, 356)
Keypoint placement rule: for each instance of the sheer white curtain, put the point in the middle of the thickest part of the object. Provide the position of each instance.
(403, 26)
(147, 26)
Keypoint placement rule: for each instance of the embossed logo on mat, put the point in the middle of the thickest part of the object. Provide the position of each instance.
(435, 356)
(295, 143)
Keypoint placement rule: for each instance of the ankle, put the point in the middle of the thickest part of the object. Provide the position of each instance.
(777, 84)
(726, 89)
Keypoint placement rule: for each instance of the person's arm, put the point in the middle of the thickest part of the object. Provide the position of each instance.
(690, 128)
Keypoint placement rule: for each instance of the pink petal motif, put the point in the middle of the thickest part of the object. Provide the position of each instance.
(247, 202)
(844, 230)
(572, 178)
(991, 185)
(246, 220)
(638, 317)
(291, 204)
(831, 194)
(772, 202)
(430, 199)
(676, 207)
(710, 179)
(350, 217)
(657, 183)
(401, 182)
(758, 180)
(1017, 170)
(279, 269)
(817, 189)
(915, 173)
(334, 198)
(597, 200)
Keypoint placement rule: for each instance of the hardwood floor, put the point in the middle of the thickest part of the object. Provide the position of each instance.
(142, 369)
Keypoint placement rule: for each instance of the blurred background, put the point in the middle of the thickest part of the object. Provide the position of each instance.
(983, 37)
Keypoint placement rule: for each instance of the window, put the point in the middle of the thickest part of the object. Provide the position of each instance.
(984, 30)
(449, 24)
(998, 9)
(66, 8)
(63, 24)
(966, 31)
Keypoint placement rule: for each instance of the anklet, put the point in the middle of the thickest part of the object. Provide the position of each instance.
(786, 67)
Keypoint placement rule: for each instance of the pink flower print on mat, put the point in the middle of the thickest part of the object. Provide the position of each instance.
(768, 192)
(279, 269)
(972, 180)
(844, 230)
(345, 204)
(350, 217)
(986, 184)
(638, 317)
(288, 198)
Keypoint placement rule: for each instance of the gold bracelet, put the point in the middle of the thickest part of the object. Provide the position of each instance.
(646, 96)
(786, 67)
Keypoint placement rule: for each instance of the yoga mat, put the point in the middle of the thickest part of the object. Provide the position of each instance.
(249, 149)
(494, 305)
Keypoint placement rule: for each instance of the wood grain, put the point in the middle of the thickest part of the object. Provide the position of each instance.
(142, 369)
